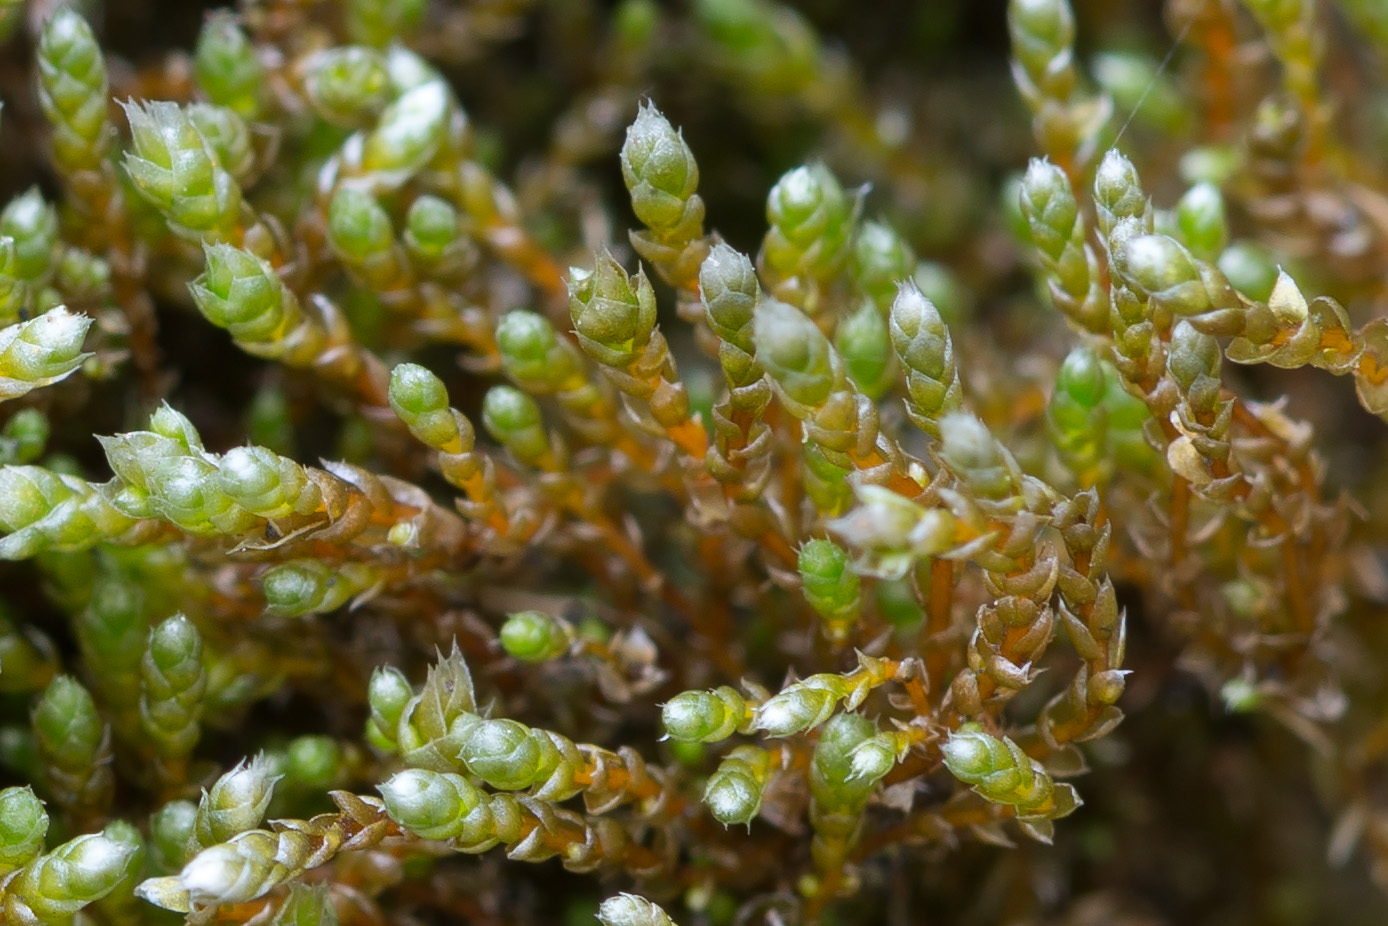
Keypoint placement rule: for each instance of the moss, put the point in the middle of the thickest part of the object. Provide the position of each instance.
(846, 477)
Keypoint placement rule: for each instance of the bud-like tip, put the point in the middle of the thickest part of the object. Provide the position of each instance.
(533, 636)
(429, 804)
(631, 910)
(503, 754)
(415, 391)
(659, 169)
(794, 351)
(357, 225)
(297, 588)
(506, 410)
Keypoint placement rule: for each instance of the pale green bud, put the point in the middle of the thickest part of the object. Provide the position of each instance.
(174, 168)
(28, 494)
(1081, 378)
(82, 275)
(1049, 205)
(882, 261)
(972, 755)
(174, 681)
(313, 762)
(74, 744)
(873, 758)
(432, 805)
(503, 753)
(41, 351)
(613, 314)
(826, 483)
(235, 803)
(925, 351)
(1118, 192)
(1216, 163)
(1192, 356)
(265, 483)
(811, 221)
(171, 832)
(227, 67)
(1002, 773)
(185, 490)
(830, 586)
(310, 586)
(420, 399)
(734, 792)
(1194, 361)
(801, 706)
(23, 824)
(33, 224)
(1042, 31)
(833, 784)
(1201, 218)
(387, 695)
(704, 716)
(45, 511)
(359, 230)
(1250, 269)
(1139, 84)
(416, 392)
(864, 343)
(1075, 419)
(111, 633)
(349, 85)
(730, 292)
(433, 234)
(631, 910)
(55, 886)
(237, 871)
(242, 293)
(513, 419)
(531, 352)
(24, 436)
(661, 174)
(796, 354)
(1156, 263)
(769, 48)
(534, 636)
(1158, 267)
(73, 91)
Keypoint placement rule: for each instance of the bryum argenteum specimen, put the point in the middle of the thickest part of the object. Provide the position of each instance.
(786, 571)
